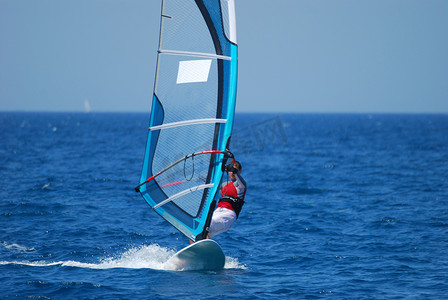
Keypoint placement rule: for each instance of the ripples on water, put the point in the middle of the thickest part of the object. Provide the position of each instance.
(349, 206)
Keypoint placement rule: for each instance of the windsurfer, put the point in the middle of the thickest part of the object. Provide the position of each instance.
(231, 202)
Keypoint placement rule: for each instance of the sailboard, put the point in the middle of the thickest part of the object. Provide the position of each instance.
(192, 112)
(202, 255)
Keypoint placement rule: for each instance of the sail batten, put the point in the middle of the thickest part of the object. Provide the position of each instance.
(196, 54)
(184, 192)
(192, 112)
(188, 122)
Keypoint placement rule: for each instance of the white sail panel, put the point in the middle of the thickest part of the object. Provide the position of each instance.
(193, 71)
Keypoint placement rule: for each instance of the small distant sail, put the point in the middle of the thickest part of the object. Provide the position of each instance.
(86, 106)
(192, 112)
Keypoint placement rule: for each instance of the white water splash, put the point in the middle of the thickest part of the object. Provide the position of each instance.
(233, 263)
(143, 257)
(17, 247)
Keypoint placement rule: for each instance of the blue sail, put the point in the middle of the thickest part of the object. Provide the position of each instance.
(192, 112)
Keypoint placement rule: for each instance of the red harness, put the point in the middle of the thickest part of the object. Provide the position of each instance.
(229, 190)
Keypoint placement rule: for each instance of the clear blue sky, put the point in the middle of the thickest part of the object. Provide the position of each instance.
(294, 55)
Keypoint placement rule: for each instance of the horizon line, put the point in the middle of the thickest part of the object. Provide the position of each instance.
(236, 112)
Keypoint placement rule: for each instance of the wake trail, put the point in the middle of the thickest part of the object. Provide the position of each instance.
(143, 257)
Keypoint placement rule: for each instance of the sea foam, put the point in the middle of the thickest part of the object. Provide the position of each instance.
(143, 257)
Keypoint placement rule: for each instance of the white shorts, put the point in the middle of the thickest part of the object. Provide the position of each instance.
(223, 218)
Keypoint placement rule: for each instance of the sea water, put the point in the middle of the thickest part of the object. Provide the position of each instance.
(343, 206)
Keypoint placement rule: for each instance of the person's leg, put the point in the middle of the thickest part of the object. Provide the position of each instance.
(222, 220)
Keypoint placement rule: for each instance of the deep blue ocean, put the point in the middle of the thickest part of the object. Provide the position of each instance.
(341, 206)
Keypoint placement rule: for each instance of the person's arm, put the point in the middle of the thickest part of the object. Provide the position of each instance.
(239, 184)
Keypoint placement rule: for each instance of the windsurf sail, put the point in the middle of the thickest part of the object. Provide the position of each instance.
(192, 112)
